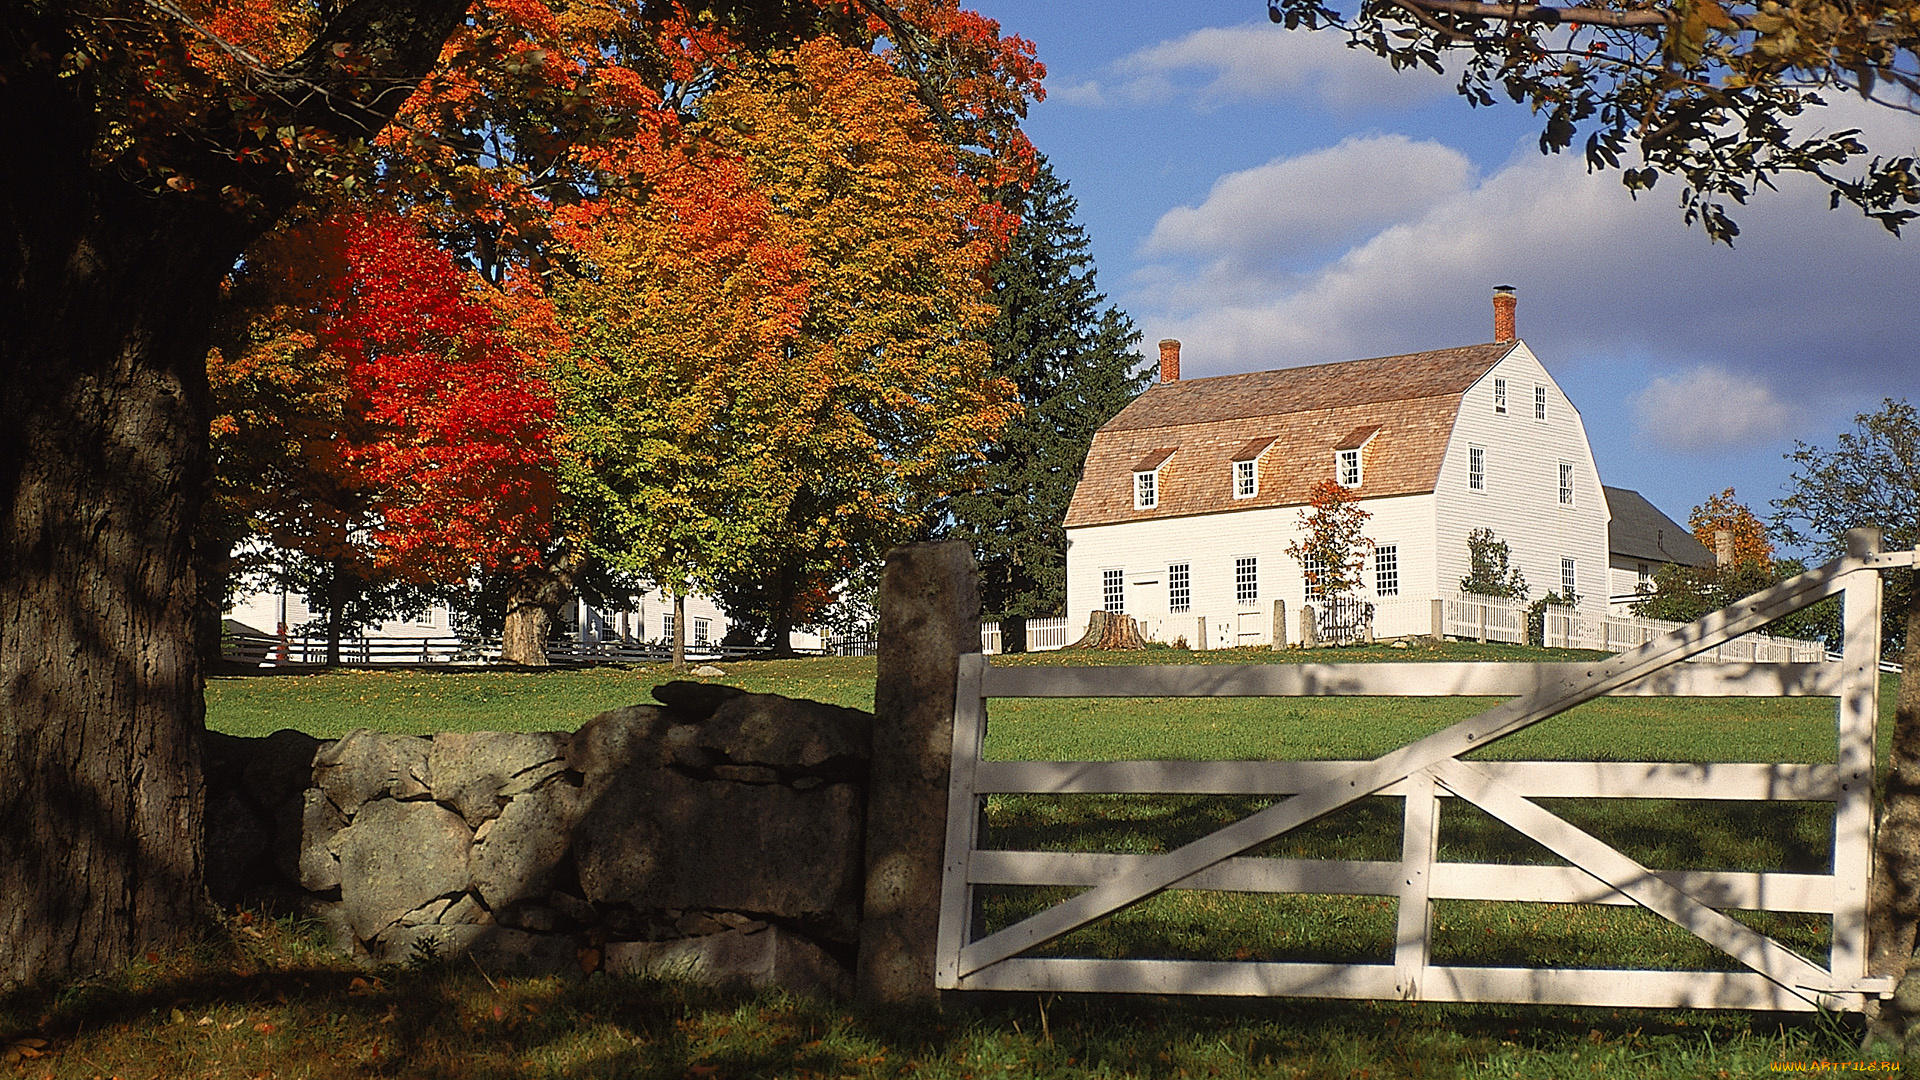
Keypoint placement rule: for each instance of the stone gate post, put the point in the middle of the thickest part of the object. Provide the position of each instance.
(929, 615)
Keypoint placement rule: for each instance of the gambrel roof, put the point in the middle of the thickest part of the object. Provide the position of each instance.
(1638, 530)
(1401, 408)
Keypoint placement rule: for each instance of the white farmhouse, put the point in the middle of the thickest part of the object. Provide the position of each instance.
(1192, 494)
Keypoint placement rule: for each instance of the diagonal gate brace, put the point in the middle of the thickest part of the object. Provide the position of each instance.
(1165, 871)
(1756, 950)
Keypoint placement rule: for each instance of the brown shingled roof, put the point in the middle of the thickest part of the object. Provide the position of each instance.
(1406, 403)
(1154, 459)
(1357, 438)
(1322, 386)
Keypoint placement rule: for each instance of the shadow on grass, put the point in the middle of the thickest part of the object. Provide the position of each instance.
(267, 1002)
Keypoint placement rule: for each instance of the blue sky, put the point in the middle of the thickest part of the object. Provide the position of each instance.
(1272, 198)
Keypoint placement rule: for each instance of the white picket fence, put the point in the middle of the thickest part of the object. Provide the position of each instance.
(1568, 628)
(1043, 635)
(1483, 618)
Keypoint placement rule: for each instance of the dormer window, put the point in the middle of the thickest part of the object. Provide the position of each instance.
(1349, 468)
(1146, 493)
(1146, 479)
(1246, 468)
(1349, 456)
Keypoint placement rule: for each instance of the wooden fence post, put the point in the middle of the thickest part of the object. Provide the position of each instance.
(929, 615)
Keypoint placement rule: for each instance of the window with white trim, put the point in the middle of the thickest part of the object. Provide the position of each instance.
(1246, 579)
(666, 627)
(1310, 568)
(1539, 403)
(1246, 479)
(1476, 468)
(1645, 572)
(1566, 483)
(1566, 577)
(1500, 396)
(1347, 464)
(1386, 569)
(1113, 590)
(1146, 490)
(702, 631)
(1180, 587)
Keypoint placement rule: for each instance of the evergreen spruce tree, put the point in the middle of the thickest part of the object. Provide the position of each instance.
(1072, 357)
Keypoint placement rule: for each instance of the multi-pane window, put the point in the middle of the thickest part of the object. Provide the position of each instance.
(1180, 587)
(1113, 590)
(702, 631)
(1386, 569)
(1566, 484)
(1246, 482)
(1146, 494)
(1566, 577)
(1645, 572)
(666, 627)
(1539, 403)
(1310, 568)
(1349, 468)
(1246, 579)
(1500, 396)
(1476, 468)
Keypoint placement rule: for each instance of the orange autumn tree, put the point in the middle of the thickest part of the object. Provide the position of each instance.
(834, 410)
(1748, 532)
(1333, 548)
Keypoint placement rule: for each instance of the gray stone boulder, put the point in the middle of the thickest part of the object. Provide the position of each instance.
(659, 839)
(515, 854)
(307, 843)
(476, 773)
(795, 739)
(398, 856)
(365, 765)
(764, 957)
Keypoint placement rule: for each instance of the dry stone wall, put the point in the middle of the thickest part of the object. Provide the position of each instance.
(716, 834)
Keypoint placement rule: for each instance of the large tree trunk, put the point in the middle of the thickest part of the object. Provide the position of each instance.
(108, 292)
(1895, 901)
(534, 600)
(679, 630)
(107, 283)
(336, 611)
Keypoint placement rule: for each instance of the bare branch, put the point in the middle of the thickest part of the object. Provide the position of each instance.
(1588, 16)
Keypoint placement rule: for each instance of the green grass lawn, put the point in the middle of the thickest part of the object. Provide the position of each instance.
(1106, 1037)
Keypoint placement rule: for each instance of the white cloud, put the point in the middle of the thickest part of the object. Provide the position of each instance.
(1819, 300)
(1711, 409)
(1290, 204)
(1260, 61)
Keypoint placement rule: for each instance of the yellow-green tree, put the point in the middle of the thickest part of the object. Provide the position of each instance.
(780, 364)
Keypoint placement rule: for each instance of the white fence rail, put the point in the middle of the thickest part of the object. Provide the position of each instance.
(1425, 774)
(1569, 628)
(267, 650)
(1043, 635)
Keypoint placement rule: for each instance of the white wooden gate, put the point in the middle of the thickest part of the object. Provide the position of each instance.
(1420, 773)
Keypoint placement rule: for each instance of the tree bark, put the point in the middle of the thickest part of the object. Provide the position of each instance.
(107, 287)
(679, 630)
(102, 347)
(1894, 904)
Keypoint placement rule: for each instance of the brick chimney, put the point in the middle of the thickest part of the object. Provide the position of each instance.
(1503, 304)
(1170, 360)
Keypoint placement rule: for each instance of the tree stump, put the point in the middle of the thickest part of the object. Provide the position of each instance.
(1111, 630)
